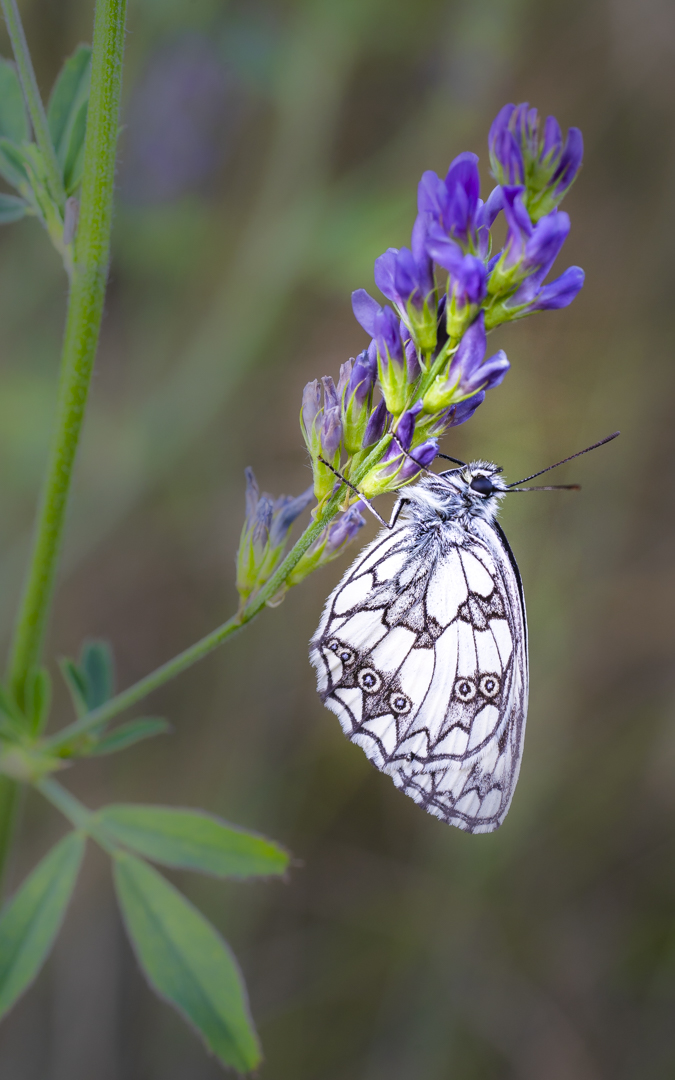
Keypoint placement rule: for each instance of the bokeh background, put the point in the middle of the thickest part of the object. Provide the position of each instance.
(270, 152)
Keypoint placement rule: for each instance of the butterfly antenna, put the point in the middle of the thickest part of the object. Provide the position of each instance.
(602, 442)
(549, 487)
(355, 489)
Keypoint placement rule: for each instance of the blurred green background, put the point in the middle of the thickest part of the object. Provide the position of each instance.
(270, 152)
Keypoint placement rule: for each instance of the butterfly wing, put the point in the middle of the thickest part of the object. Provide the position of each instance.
(422, 654)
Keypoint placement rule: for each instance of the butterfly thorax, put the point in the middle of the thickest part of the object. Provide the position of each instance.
(457, 495)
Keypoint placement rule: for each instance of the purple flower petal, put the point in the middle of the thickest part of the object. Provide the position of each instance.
(311, 404)
(432, 195)
(365, 309)
(376, 424)
(561, 292)
(570, 162)
(552, 139)
(423, 455)
(470, 352)
(489, 374)
(383, 273)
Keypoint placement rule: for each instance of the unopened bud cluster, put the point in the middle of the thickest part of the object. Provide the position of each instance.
(425, 369)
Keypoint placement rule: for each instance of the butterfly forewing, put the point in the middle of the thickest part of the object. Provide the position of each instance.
(421, 652)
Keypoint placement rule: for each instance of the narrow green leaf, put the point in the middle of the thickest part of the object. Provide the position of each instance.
(76, 683)
(32, 919)
(12, 165)
(187, 962)
(14, 123)
(128, 734)
(38, 694)
(192, 840)
(74, 161)
(98, 670)
(70, 90)
(11, 209)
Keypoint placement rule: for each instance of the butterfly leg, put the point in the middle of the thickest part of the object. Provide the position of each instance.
(357, 492)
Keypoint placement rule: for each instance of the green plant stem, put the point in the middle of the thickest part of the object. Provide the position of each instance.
(85, 310)
(206, 644)
(76, 812)
(33, 100)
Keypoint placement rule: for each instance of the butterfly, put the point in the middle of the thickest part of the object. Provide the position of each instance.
(421, 650)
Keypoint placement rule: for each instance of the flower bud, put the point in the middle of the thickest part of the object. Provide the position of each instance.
(266, 529)
(356, 399)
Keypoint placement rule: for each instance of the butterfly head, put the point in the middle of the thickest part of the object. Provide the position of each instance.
(471, 491)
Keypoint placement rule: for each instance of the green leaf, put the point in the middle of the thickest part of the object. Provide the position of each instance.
(38, 693)
(128, 734)
(98, 670)
(74, 163)
(32, 919)
(192, 840)
(67, 112)
(187, 962)
(14, 123)
(11, 209)
(12, 166)
(76, 683)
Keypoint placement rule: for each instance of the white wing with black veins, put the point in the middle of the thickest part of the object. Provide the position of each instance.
(422, 654)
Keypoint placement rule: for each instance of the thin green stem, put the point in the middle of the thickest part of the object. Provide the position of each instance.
(206, 644)
(76, 812)
(33, 100)
(85, 309)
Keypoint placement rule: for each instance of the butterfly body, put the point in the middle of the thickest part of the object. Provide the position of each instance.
(422, 650)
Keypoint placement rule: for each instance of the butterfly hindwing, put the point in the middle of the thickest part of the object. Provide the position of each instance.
(421, 653)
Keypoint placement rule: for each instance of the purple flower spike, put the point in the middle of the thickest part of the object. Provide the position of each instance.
(376, 425)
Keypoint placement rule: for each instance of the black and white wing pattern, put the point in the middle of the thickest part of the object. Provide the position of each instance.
(422, 654)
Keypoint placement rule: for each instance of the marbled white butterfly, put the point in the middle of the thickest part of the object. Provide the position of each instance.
(422, 649)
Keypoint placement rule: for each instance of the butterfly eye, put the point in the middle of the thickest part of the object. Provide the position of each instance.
(465, 689)
(400, 704)
(489, 686)
(369, 680)
(482, 484)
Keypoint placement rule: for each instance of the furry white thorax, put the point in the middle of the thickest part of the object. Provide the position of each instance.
(449, 496)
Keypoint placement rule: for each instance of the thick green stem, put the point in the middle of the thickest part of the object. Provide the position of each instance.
(206, 644)
(85, 310)
(33, 100)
